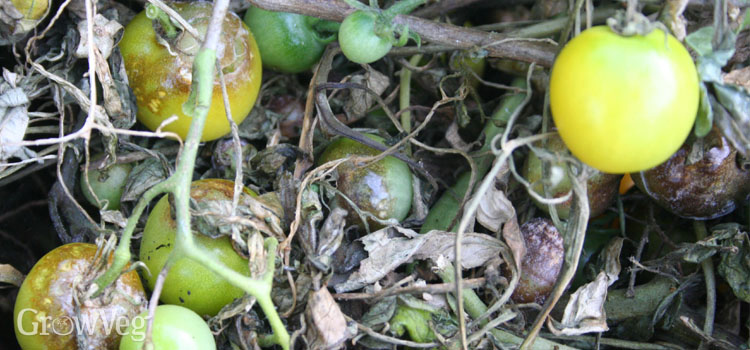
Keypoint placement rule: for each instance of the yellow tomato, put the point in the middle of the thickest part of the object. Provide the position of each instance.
(623, 104)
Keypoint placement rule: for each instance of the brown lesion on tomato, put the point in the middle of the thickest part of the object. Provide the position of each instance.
(702, 180)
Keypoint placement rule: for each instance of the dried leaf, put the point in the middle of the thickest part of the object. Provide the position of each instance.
(494, 209)
(143, 176)
(585, 310)
(735, 266)
(8, 274)
(326, 327)
(514, 239)
(387, 252)
(104, 36)
(739, 77)
(360, 100)
(114, 217)
(14, 118)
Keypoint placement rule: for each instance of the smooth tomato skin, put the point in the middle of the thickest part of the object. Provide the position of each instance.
(47, 293)
(108, 184)
(623, 104)
(161, 82)
(188, 283)
(288, 42)
(358, 40)
(175, 328)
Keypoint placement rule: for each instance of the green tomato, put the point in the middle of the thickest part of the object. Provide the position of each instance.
(188, 283)
(358, 39)
(175, 328)
(289, 42)
(107, 184)
(45, 314)
(383, 188)
(601, 188)
(623, 104)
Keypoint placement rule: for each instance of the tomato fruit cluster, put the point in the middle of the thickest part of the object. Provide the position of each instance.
(623, 104)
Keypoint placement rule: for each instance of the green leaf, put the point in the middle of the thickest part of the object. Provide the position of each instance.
(700, 40)
(735, 265)
(732, 115)
(705, 119)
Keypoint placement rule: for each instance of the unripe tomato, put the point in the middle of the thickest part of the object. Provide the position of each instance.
(288, 42)
(623, 104)
(383, 188)
(175, 328)
(188, 283)
(601, 188)
(45, 311)
(108, 185)
(161, 81)
(358, 39)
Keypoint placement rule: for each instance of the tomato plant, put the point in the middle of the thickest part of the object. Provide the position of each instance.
(289, 42)
(108, 185)
(44, 313)
(383, 188)
(623, 104)
(189, 283)
(161, 81)
(175, 328)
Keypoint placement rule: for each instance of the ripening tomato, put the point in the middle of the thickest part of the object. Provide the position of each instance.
(623, 104)
(161, 80)
(189, 283)
(45, 311)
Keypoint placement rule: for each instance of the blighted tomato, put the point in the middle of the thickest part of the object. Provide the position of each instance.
(702, 180)
(45, 310)
(623, 103)
(601, 187)
(161, 76)
(108, 185)
(542, 262)
(188, 283)
(384, 188)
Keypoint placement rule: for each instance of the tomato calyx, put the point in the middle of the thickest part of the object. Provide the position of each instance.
(629, 23)
(384, 26)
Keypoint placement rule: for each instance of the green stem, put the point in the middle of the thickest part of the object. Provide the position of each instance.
(197, 107)
(475, 307)
(404, 97)
(403, 7)
(155, 13)
(708, 275)
(122, 253)
(446, 208)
